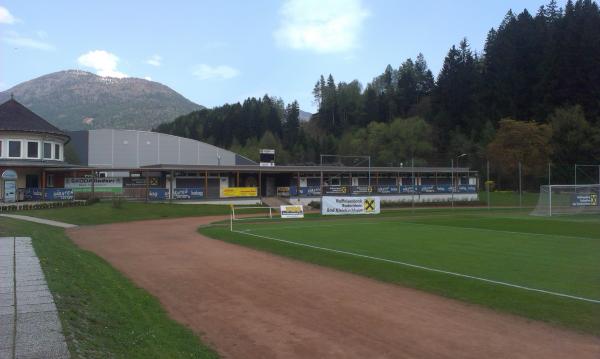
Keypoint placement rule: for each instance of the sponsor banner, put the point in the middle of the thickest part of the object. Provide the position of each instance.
(50, 194)
(33, 194)
(387, 189)
(140, 182)
(365, 190)
(101, 184)
(407, 189)
(336, 190)
(465, 188)
(349, 205)
(239, 192)
(158, 194)
(58, 194)
(446, 188)
(292, 211)
(426, 189)
(584, 200)
(284, 191)
(309, 191)
(188, 193)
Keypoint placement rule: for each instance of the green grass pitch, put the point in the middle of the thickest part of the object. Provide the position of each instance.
(508, 256)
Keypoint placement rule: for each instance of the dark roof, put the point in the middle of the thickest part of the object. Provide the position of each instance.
(16, 117)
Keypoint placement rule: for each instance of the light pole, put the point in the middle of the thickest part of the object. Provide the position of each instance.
(452, 164)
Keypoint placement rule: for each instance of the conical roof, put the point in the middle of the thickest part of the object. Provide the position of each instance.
(16, 117)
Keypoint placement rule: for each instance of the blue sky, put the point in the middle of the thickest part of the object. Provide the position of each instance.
(215, 52)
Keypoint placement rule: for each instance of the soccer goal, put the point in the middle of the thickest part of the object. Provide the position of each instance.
(249, 215)
(567, 199)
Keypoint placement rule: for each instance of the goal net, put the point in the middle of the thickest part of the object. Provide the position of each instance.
(567, 199)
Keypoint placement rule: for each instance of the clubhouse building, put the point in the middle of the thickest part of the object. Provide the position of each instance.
(142, 165)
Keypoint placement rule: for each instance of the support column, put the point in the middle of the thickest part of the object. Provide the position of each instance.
(237, 180)
(321, 183)
(43, 185)
(147, 182)
(171, 186)
(259, 183)
(206, 184)
(93, 195)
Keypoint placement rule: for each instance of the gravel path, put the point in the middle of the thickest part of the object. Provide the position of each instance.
(251, 304)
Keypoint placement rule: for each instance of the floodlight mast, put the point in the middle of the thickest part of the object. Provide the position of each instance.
(452, 174)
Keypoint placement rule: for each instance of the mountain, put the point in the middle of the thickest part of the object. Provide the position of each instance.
(304, 116)
(79, 100)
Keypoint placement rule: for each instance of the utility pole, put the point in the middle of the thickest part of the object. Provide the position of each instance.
(487, 184)
(412, 165)
(452, 179)
(520, 188)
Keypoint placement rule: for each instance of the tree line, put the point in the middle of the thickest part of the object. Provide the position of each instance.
(531, 96)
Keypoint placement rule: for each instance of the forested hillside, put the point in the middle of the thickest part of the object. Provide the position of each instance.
(531, 95)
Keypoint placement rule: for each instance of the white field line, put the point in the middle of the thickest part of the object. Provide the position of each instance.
(300, 226)
(597, 301)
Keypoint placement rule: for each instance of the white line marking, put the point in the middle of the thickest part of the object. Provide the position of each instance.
(597, 301)
(301, 226)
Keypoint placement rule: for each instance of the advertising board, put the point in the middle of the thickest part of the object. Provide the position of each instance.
(350, 205)
(291, 211)
(101, 184)
(584, 200)
(239, 192)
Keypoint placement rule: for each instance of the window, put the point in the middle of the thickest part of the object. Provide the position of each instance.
(56, 151)
(47, 150)
(32, 150)
(0, 148)
(50, 181)
(14, 149)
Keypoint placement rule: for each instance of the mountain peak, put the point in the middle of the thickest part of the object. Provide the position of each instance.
(77, 99)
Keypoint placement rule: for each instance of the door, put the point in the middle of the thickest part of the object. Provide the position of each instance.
(32, 181)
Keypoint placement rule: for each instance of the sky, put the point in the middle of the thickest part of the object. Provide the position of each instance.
(216, 52)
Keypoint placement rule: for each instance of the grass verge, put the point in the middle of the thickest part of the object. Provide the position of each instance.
(104, 212)
(103, 314)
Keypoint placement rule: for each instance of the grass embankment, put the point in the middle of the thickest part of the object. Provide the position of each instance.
(553, 254)
(104, 212)
(103, 314)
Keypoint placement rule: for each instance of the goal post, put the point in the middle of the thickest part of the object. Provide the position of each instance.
(567, 199)
(250, 214)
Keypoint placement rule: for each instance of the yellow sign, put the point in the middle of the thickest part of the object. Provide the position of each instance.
(239, 192)
(369, 204)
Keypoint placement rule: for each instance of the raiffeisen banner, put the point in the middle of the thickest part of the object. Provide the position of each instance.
(349, 205)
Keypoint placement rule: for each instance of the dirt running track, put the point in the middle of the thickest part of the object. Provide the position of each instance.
(250, 304)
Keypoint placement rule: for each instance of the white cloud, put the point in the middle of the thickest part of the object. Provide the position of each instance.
(15, 39)
(103, 62)
(324, 26)
(206, 72)
(6, 17)
(154, 60)
(148, 78)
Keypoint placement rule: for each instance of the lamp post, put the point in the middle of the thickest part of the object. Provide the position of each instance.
(452, 164)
